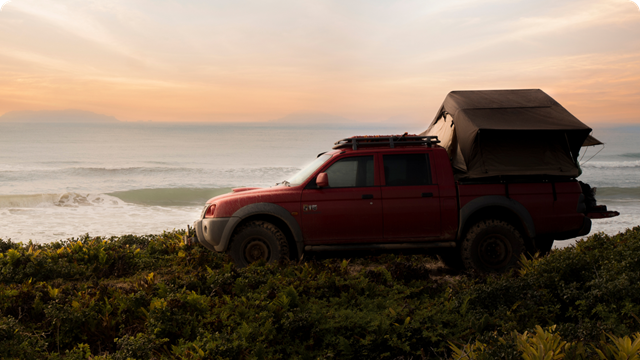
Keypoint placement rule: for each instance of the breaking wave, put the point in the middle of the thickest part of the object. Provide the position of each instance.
(612, 164)
(69, 199)
(630, 193)
(169, 197)
(105, 180)
(147, 197)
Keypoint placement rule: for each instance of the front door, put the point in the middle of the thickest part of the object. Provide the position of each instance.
(349, 210)
(410, 200)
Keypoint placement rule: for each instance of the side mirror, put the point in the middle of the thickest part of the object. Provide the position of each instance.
(322, 180)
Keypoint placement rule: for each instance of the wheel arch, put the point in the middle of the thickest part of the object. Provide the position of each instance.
(272, 213)
(496, 207)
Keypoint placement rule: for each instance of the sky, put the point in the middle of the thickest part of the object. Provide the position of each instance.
(365, 60)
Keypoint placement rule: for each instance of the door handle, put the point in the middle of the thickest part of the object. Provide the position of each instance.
(427, 194)
(367, 196)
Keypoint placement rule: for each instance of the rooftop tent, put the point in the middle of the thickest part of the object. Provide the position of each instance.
(509, 132)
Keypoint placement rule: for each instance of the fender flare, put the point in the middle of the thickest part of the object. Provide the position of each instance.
(494, 200)
(261, 209)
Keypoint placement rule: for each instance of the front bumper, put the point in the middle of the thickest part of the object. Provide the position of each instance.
(209, 231)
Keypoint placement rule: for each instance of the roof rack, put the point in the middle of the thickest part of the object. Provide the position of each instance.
(386, 140)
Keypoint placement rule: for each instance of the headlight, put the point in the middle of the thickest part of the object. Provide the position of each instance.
(209, 211)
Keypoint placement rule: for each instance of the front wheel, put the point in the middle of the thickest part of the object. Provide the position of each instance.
(258, 240)
(492, 246)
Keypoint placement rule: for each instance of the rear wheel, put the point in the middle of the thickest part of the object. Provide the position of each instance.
(492, 246)
(258, 240)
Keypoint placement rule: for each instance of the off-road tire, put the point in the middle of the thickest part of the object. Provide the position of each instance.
(492, 246)
(258, 240)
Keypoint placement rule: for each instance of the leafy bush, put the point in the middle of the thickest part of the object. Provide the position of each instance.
(154, 297)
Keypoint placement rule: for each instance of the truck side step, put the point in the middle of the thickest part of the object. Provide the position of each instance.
(426, 245)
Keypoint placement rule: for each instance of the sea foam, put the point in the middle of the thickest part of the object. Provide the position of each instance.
(69, 199)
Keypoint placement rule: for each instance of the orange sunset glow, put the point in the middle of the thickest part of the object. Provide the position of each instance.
(368, 61)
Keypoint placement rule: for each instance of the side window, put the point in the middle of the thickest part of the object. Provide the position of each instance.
(406, 169)
(351, 172)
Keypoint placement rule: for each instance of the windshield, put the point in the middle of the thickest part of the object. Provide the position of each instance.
(304, 174)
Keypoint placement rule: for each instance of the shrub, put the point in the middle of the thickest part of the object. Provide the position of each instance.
(153, 297)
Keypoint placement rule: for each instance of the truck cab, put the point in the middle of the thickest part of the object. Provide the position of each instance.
(354, 196)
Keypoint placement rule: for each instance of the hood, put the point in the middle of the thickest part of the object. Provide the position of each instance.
(247, 191)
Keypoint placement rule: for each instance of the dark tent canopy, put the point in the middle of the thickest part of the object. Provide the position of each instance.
(509, 132)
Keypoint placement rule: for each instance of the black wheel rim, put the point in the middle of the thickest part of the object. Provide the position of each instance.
(255, 250)
(495, 251)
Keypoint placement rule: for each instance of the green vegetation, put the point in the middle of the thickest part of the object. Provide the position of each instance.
(151, 296)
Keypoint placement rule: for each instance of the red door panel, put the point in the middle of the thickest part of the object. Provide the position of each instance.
(411, 211)
(410, 199)
(336, 216)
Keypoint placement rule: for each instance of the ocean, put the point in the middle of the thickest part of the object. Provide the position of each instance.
(59, 181)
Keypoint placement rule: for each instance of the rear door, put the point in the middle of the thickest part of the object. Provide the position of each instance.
(410, 198)
(348, 210)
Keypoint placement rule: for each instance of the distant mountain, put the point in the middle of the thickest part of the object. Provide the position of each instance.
(57, 116)
(312, 118)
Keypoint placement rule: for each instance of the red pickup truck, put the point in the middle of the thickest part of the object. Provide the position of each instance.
(405, 192)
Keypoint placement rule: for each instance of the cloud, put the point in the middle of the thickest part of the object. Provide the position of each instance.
(366, 60)
(71, 18)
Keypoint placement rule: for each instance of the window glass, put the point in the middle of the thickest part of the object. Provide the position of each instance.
(406, 169)
(351, 172)
(304, 174)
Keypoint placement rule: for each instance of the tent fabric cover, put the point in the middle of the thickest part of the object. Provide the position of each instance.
(508, 132)
(591, 141)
